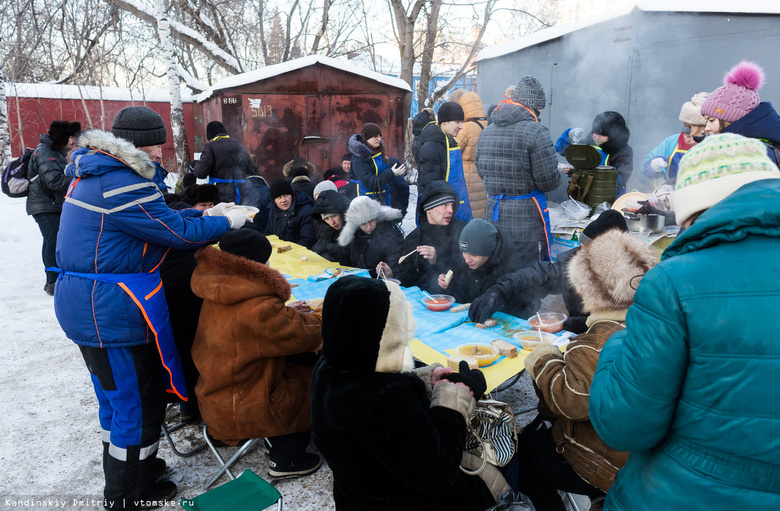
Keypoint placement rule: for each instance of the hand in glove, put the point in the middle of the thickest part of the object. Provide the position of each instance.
(399, 169)
(237, 218)
(472, 378)
(647, 209)
(659, 165)
(575, 135)
(483, 307)
(219, 209)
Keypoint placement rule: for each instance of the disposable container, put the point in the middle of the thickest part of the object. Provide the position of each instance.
(551, 321)
(438, 303)
(531, 339)
(483, 353)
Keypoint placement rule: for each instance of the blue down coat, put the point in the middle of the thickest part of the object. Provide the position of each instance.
(115, 221)
(690, 386)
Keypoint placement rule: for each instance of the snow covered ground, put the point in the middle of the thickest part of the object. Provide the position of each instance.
(50, 448)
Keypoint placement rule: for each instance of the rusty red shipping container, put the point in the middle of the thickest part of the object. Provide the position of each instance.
(308, 107)
(32, 107)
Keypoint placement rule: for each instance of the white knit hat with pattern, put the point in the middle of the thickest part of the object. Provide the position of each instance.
(715, 168)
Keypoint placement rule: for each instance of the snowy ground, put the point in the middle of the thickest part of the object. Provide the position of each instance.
(50, 446)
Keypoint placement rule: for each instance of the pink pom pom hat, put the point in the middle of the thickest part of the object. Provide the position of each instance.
(738, 95)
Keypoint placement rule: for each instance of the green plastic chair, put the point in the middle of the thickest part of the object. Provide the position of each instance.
(247, 491)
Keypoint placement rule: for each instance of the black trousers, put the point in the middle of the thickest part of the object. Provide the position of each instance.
(49, 224)
(290, 447)
(543, 471)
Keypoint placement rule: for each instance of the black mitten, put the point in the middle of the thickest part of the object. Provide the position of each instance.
(472, 378)
(483, 307)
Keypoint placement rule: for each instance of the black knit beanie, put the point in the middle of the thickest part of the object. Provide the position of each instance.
(610, 219)
(450, 111)
(479, 237)
(246, 243)
(140, 125)
(281, 187)
(215, 128)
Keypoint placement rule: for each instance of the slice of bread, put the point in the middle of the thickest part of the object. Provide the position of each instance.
(454, 361)
(506, 349)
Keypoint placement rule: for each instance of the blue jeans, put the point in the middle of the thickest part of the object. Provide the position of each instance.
(49, 224)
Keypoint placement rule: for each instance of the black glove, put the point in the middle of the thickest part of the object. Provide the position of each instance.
(472, 378)
(648, 209)
(483, 307)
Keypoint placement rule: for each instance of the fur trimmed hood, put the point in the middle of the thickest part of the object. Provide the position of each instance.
(120, 148)
(603, 271)
(358, 148)
(367, 325)
(218, 271)
(299, 161)
(361, 210)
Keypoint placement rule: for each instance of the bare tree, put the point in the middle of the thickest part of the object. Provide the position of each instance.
(5, 140)
(177, 112)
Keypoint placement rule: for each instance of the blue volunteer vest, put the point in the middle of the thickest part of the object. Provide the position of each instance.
(457, 180)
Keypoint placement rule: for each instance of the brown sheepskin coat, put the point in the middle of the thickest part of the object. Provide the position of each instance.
(467, 141)
(246, 388)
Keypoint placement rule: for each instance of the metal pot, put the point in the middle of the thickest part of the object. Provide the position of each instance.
(644, 223)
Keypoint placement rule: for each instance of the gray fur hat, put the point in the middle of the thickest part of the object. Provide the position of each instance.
(140, 125)
(529, 92)
(606, 272)
(361, 210)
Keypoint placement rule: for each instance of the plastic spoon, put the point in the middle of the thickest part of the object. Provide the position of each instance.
(541, 339)
(407, 255)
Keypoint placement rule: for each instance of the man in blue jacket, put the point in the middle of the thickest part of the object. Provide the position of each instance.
(115, 232)
(689, 386)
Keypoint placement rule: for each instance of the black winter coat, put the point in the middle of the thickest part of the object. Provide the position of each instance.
(226, 158)
(468, 284)
(433, 156)
(327, 244)
(531, 284)
(418, 271)
(419, 122)
(183, 308)
(384, 244)
(295, 224)
(364, 169)
(47, 193)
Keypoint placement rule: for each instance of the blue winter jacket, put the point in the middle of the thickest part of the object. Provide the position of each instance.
(763, 123)
(115, 221)
(690, 386)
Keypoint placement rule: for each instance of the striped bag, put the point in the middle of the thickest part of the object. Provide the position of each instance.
(492, 434)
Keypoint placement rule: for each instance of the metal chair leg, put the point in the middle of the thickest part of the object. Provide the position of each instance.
(167, 433)
(225, 467)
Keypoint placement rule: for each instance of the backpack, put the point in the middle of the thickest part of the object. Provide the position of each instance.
(14, 180)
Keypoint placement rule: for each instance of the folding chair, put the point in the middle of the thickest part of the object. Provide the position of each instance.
(248, 491)
(225, 467)
(167, 430)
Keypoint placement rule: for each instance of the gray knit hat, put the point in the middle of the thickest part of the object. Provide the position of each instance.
(140, 125)
(529, 92)
(479, 237)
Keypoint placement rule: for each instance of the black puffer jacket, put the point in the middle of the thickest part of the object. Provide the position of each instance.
(295, 224)
(327, 244)
(226, 158)
(545, 278)
(47, 193)
(468, 284)
(418, 271)
(621, 156)
(364, 169)
(433, 155)
(419, 122)
(384, 244)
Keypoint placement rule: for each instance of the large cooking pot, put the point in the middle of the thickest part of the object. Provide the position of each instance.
(644, 223)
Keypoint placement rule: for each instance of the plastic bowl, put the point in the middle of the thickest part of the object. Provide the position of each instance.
(249, 211)
(485, 354)
(551, 321)
(439, 303)
(530, 339)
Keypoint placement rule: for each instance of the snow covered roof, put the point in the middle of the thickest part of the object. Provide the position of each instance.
(292, 65)
(57, 91)
(712, 6)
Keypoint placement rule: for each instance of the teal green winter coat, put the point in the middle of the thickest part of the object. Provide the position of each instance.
(690, 387)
